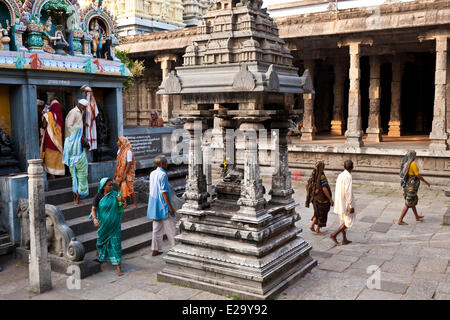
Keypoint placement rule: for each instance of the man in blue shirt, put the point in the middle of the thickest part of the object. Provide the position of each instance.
(160, 208)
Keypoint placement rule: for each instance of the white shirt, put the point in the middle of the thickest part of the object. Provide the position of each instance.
(73, 118)
(129, 155)
(343, 194)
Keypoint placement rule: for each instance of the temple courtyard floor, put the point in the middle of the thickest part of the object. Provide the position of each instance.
(411, 262)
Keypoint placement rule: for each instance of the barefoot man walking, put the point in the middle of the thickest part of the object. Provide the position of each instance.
(343, 204)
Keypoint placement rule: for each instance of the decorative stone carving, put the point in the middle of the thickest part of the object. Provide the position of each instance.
(172, 83)
(250, 245)
(273, 83)
(244, 79)
(60, 238)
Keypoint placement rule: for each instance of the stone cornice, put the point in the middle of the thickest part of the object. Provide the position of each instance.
(420, 13)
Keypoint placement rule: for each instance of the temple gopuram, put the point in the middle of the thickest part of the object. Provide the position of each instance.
(50, 48)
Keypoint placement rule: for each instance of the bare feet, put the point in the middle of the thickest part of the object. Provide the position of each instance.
(312, 228)
(419, 218)
(346, 241)
(402, 223)
(133, 206)
(119, 271)
(318, 233)
(332, 237)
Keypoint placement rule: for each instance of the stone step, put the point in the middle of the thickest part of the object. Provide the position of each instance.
(59, 183)
(82, 224)
(70, 211)
(130, 229)
(6, 248)
(129, 245)
(60, 196)
(4, 238)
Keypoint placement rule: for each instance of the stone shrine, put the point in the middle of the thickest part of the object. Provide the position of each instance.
(238, 69)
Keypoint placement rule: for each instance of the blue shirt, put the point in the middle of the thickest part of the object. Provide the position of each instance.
(157, 207)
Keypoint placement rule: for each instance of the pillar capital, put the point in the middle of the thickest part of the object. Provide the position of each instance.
(355, 42)
(438, 35)
(166, 57)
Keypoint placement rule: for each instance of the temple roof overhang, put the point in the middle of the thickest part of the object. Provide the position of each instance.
(236, 77)
(392, 17)
(59, 63)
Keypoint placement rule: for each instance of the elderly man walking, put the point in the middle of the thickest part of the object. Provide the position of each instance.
(160, 207)
(344, 202)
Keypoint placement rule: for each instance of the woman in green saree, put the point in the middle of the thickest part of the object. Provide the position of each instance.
(107, 217)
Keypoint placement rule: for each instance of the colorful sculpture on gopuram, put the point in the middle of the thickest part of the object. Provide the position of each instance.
(59, 27)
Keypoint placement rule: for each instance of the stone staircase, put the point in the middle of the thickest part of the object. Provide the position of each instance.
(6, 246)
(136, 228)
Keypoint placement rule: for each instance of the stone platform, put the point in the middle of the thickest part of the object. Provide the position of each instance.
(413, 259)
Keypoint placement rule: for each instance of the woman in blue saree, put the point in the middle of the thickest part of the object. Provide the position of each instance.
(107, 217)
(74, 157)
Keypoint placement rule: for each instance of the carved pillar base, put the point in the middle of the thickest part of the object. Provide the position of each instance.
(353, 141)
(395, 129)
(374, 135)
(336, 128)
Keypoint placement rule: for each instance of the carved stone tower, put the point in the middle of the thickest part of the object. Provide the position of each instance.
(238, 70)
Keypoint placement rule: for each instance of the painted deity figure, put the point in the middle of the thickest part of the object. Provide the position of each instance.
(4, 35)
(49, 41)
(97, 39)
(46, 38)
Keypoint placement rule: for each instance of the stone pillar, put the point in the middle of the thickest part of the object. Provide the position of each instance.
(166, 66)
(196, 189)
(309, 128)
(395, 122)
(251, 202)
(281, 192)
(39, 266)
(207, 158)
(439, 133)
(25, 142)
(374, 129)
(338, 92)
(354, 133)
(113, 107)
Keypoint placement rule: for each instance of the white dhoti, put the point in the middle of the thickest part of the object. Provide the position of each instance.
(344, 198)
(347, 219)
(167, 226)
(91, 114)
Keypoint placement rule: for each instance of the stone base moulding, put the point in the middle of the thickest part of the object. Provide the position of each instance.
(61, 265)
(246, 282)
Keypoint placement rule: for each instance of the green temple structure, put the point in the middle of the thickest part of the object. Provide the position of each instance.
(50, 48)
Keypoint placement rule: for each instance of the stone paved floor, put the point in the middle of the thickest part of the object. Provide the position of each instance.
(412, 261)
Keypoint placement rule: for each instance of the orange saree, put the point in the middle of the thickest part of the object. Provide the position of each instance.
(127, 181)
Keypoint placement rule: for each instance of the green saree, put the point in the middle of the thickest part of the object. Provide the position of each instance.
(109, 241)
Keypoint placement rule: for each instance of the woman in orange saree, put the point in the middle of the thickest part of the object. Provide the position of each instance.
(125, 166)
(52, 143)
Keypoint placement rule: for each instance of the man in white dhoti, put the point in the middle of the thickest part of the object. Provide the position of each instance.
(344, 202)
(91, 114)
